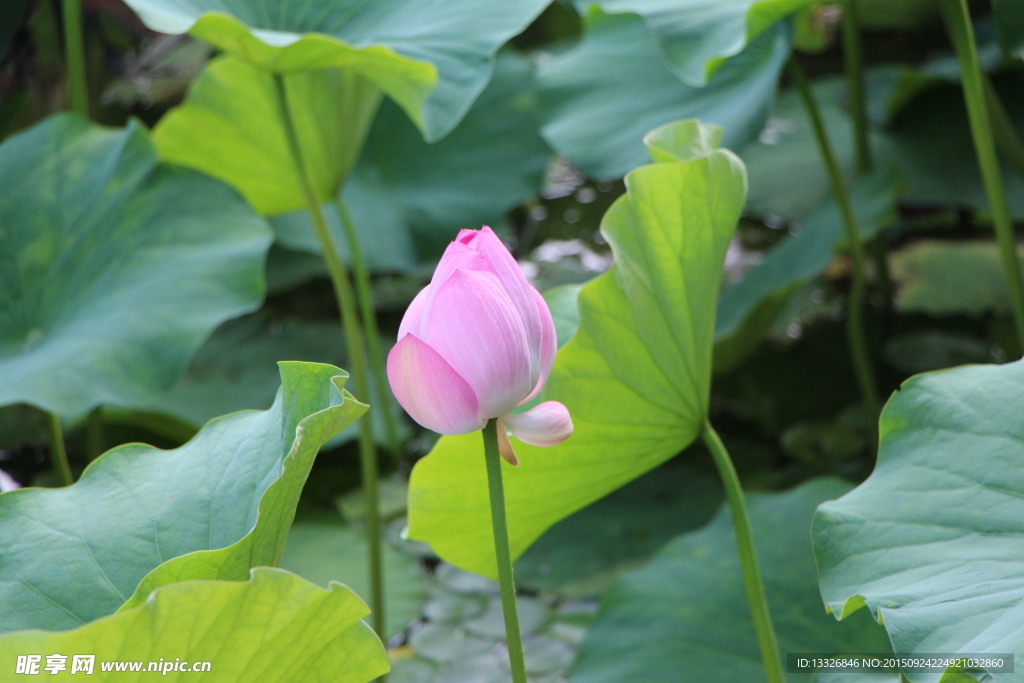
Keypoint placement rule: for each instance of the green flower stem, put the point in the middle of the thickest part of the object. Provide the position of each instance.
(365, 294)
(502, 553)
(1006, 135)
(854, 65)
(879, 250)
(356, 349)
(856, 336)
(368, 472)
(58, 454)
(958, 23)
(748, 556)
(852, 58)
(74, 55)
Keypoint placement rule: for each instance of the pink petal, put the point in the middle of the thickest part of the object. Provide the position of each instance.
(458, 256)
(519, 289)
(548, 345)
(467, 237)
(413, 318)
(474, 326)
(430, 390)
(546, 424)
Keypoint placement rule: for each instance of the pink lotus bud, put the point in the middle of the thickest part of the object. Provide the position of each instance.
(474, 344)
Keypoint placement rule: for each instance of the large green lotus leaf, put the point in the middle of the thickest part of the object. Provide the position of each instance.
(635, 376)
(405, 47)
(748, 307)
(598, 99)
(325, 550)
(933, 541)
(230, 127)
(687, 610)
(697, 36)
(922, 270)
(115, 267)
(409, 198)
(273, 627)
(211, 509)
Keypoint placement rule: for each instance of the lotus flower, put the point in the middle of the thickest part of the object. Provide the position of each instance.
(474, 344)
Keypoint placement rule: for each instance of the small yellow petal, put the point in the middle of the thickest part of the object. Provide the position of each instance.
(505, 446)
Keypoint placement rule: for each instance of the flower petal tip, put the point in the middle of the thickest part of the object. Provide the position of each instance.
(505, 446)
(546, 424)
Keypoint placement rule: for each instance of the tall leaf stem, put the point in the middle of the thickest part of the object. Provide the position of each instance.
(748, 556)
(364, 292)
(502, 553)
(854, 65)
(1002, 127)
(856, 336)
(356, 350)
(74, 57)
(853, 60)
(58, 453)
(958, 23)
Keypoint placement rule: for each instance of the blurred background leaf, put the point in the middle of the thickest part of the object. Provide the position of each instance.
(93, 309)
(602, 134)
